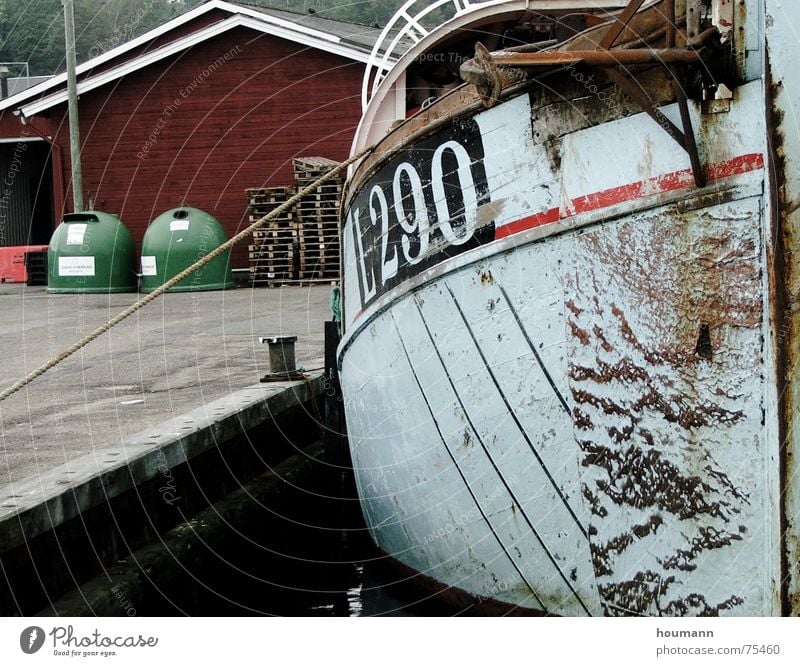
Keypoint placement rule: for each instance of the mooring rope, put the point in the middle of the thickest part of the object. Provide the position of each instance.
(11, 390)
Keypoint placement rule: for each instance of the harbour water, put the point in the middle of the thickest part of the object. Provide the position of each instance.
(313, 558)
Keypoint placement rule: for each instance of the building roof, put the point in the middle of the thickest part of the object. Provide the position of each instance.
(358, 35)
(348, 40)
(18, 84)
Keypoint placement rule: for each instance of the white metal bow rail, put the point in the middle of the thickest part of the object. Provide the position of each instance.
(417, 18)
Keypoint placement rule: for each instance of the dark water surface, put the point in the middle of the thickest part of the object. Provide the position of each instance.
(312, 557)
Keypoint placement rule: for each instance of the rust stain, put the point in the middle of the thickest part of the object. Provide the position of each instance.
(630, 597)
(618, 436)
(606, 404)
(711, 277)
(654, 324)
(674, 406)
(618, 544)
(605, 345)
(687, 416)
(623, 370)
(487, 277)
(578, 332)
(709, 538)
(581, 419)
(574, 309)
(645, 479)
(696, 605)
(642, 594)
(595, 507)
(784, 290)
(704, 414)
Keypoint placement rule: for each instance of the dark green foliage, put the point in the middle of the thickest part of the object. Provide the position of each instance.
(32, 31)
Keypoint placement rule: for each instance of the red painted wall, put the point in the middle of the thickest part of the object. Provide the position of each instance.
(187, 131)
(10, 125)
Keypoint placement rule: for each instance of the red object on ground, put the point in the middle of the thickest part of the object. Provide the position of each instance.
(12, 262)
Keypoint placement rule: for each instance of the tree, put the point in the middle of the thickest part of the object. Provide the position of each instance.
(33, 30)
(104, 24)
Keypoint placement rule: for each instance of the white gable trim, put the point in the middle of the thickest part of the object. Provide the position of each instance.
(240, 16)
(19, 139)
(283, 23)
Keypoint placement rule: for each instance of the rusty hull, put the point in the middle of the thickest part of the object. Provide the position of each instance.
(679, 311)
(783, 100)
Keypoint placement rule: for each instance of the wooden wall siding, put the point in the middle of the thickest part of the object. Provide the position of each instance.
(239, 127)
(9, 125)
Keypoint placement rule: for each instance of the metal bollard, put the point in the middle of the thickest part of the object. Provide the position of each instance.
(281, 358)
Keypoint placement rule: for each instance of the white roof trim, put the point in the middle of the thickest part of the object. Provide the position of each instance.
(20, 139)
(247, 17)
(295, 27)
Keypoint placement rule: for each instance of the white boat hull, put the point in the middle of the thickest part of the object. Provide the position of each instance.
(577, 417)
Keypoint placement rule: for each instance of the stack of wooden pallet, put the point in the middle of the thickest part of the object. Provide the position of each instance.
(318, 216)
(302, 244)
(274, 252)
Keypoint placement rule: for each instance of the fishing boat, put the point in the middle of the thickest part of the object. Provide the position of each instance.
(570, 305)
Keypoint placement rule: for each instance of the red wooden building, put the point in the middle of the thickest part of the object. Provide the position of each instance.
(194, 112)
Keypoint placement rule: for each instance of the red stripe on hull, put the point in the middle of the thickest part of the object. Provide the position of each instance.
(606, 198)
(530, 222)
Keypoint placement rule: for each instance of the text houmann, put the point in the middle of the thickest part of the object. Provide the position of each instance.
(684, 633)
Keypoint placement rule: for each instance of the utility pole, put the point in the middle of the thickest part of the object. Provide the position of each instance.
(72, 107)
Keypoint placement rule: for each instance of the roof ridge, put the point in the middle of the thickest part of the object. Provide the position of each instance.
(318, 14)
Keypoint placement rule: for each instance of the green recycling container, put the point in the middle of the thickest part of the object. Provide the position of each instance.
(91, 252)
(177, 239)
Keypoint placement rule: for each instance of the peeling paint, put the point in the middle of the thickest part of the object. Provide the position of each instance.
(622, 357)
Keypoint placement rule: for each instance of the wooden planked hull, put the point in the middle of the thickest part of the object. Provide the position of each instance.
(558, 364)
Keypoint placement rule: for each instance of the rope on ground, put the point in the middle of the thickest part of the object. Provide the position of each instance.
(11, 390)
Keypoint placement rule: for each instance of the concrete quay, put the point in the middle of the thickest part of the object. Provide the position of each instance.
(179, 352)
(150, 424)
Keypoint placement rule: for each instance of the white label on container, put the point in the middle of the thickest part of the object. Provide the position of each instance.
(179, 225)
(149, 266)
(75, 234)
(75, 266)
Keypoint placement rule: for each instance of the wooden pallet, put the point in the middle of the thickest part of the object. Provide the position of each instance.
(35, 268)
(302, 243)
(308, 169)
(261, 194)
(298, 282)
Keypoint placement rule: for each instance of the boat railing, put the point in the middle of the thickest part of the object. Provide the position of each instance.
(416, 19)
(405, 29)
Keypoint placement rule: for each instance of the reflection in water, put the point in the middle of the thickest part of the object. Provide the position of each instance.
(312, 556)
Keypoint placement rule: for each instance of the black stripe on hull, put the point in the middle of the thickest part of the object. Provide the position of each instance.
(483, 446)
(514, 416)
(535, 452)
(458, 469)
(535, 352)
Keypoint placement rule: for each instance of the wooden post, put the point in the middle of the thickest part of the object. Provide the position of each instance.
(72, 106)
